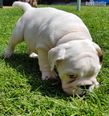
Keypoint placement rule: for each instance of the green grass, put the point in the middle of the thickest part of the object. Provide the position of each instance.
(22, 93)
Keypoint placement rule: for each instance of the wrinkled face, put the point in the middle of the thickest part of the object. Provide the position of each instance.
(78, 64)
(78, 77)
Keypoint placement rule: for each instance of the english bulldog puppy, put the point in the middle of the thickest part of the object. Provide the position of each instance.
(61, 40)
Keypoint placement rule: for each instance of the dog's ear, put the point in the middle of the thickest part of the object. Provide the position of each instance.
(99, 52)
(56, 54)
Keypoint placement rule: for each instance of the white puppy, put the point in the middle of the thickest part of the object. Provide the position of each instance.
(60, 39)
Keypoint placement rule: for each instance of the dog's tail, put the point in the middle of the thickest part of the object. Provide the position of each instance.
(23, 5)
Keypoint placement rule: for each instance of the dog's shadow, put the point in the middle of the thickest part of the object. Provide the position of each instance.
(30, 68)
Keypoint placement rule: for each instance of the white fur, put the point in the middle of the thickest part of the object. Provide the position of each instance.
(24, 5)
(60, 39)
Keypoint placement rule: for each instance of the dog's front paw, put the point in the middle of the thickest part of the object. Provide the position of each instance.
(49, 75)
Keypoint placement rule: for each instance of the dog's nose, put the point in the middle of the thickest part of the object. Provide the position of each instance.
(85, 86)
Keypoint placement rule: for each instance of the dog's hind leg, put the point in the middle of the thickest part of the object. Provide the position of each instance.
(33, 55)
(16, 38)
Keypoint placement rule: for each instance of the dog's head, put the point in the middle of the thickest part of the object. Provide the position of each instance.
(78, 62)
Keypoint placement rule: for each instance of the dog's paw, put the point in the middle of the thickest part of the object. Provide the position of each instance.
(33, 55)
(49, 75)
(7, 54)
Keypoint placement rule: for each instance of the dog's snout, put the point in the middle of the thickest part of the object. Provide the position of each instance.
(85, 86)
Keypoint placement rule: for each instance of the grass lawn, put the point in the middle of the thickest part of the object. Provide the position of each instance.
(22, 93)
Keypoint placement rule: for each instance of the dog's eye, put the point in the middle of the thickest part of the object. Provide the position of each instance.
(72, 76)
